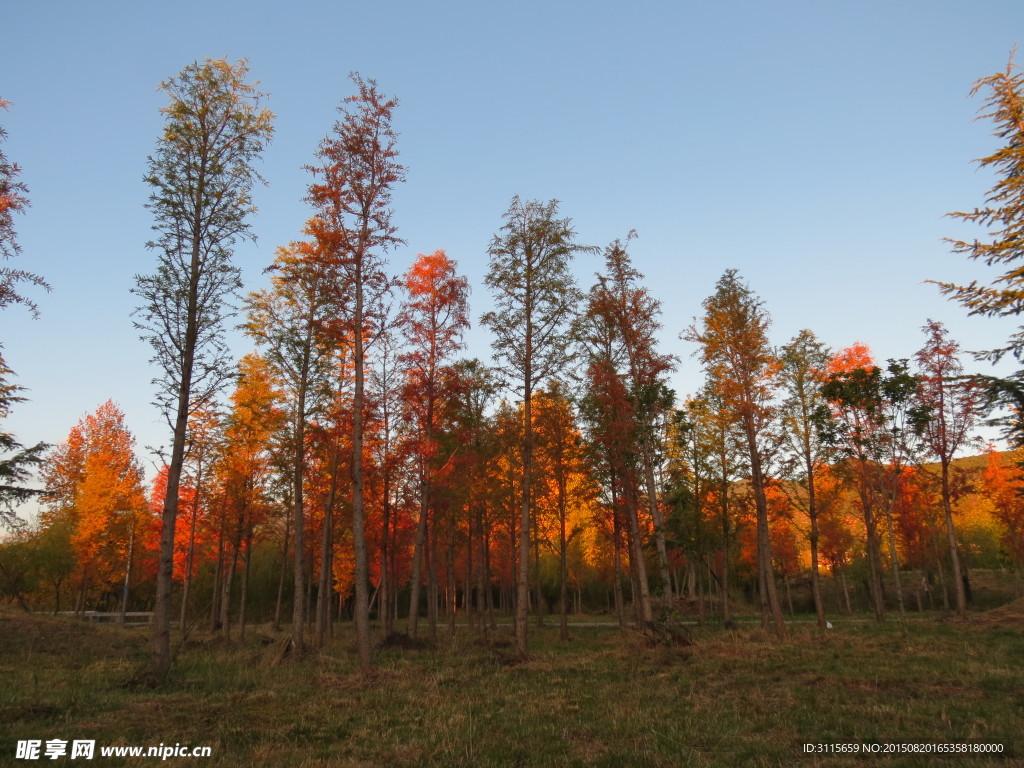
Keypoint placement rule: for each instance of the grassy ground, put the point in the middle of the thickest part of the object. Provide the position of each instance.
(733, 698)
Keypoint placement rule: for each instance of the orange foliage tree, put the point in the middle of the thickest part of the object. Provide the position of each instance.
(566, 490)
(742, 366)
(352, 224)
(434, 318)
(95, 486)
(955, 405)
(1003, 482)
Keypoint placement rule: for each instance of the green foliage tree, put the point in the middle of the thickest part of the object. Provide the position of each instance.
(16, 461)
(1003, 216)
(13, 199)
(804, 362)
(535, 298)
(201, 178)
(877, 420)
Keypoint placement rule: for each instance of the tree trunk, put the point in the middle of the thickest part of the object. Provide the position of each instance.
(362, 602)
(522, 583)
(645, 615)
(954, 549)
(284, 570)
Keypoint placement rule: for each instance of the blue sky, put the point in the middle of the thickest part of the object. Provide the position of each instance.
(814, 146)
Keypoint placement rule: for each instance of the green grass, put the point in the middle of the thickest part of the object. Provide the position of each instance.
(604, 699)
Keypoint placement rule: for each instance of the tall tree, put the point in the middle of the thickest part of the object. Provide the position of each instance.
(633, 314)
(15, 468)
(1003, 211)
(742, 367)
(954, 403)
(357, 171)
(243, 470)
(535, 298)
(13, 199)
(849, 425)
(201, 177)
(289, 321)
(802, 374)
(1003, 216)
(434, 319)
(876, 420)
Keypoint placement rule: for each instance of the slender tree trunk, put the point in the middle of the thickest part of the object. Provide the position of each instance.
(417, 556)
(284, 570)
(658, 519)
(226, 585)
(645, 615)
(954, 549)
(362, 602)
(218, 571)
(161, 660)
(432, 590)
(190, 555)
(324, 590)
(563, 567)
(812, 513)
(895, 557)
(298, 496)
(871, 530)
(620, 603)
(771, 609)
(452, 602)
(538, 590)
(244, 598)
(523, 583)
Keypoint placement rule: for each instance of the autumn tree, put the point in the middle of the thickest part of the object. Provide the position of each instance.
(607, 411)
(204, 433)
(801, 376)
(356, 173)
(94, 485)
(201, 178)
(243, 470)
(877, 421)
(565, 485)
(716, 446)
(954, 404)
(1001, 483)
(741, 365)
(535, 298)
(475, 391)
(434, 318)
(391, 454)
(688, 485)
(289, 323)
(633, 315)
(848, 424)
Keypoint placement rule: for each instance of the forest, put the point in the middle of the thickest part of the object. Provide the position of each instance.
(356, 468)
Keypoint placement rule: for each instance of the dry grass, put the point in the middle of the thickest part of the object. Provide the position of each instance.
(604, 699)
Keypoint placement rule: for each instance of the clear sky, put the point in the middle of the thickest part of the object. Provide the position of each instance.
(814, 146)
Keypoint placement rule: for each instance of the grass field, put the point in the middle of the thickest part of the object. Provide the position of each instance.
(607, 698)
